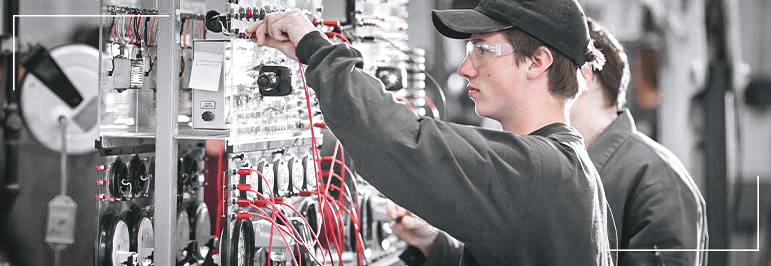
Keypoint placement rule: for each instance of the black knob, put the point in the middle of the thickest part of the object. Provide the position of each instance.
(207, 116)
(267, 81)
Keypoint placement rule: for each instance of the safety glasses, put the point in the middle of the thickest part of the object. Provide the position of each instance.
(482, 52)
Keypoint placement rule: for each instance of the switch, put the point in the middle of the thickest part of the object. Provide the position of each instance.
(207, 116)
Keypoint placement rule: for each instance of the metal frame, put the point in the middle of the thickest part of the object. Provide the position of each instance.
(166, 143)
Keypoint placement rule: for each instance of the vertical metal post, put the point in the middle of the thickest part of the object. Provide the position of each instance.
(165, 144)
(716, 172)
(715, 163)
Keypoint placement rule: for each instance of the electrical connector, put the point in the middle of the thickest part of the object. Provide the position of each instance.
(245, 171)
(244, 187)
(243, 216)
(243, 202)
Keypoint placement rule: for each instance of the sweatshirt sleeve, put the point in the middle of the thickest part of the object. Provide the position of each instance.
(455, 177)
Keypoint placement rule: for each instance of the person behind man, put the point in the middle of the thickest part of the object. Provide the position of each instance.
(655, 202)
(528, 195)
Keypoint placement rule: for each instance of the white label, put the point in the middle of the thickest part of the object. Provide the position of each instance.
(207, 66)
(208, 105)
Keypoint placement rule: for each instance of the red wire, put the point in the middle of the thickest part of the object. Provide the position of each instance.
(314, 148)
(431, 105)
(274, 224)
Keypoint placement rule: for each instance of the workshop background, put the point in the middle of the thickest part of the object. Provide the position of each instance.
(701, 86)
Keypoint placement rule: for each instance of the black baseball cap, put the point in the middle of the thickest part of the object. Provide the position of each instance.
(560, 24)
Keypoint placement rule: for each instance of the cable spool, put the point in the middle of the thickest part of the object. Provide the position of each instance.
(266, 168)
(200, 226)
(191, 169)
(113, 241)
(141, 235)
(310, 172)
(281, 170)
(310, 210)
(120, 183)
(139, 175)
(182, 234)
(65, 81)
(241, 251)
(296, 173)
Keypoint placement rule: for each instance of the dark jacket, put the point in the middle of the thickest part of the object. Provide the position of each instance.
(654, 200)
(512, 199)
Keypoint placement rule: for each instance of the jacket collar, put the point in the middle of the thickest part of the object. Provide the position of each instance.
(611, 139)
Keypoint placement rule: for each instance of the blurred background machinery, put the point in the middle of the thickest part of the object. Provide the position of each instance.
(200, 169)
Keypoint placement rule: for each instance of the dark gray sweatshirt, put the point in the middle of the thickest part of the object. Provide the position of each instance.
(512, 199)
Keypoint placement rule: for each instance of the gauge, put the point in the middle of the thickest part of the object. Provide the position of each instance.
(266, 169)
(242, 244)
(182, 236)
(142, 236)
(310, 172)
(119, 183)
(114, 240)
(281, 186)
(200, 229)
(296, 172)
(121, 241)
(138, 175)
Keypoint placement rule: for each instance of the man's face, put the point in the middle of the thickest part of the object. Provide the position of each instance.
(495, 80)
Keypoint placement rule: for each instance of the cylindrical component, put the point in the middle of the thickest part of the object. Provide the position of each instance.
(63, 156)
(267, 81)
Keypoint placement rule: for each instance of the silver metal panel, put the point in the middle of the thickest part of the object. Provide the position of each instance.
(166, 145)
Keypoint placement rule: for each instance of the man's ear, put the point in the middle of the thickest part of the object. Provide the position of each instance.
(541, 61)
(588, 74)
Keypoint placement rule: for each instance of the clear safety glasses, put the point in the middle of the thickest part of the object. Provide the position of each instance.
(481, 52)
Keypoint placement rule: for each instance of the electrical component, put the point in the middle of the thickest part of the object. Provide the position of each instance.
(139, 175)
(275, 81)
(310, 172)
(120, 183)
(200, 229)
(393, 78)
(281, 169)
(297, 174)
(266, 168)
(113, 240)
(142, 235)
(182, 234)
(241, 244)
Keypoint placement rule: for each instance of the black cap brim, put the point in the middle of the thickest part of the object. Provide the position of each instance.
(460, 24)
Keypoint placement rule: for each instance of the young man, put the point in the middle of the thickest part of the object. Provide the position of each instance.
(655, 202)
(528, 195)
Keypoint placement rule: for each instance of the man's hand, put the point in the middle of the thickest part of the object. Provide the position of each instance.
(282, 30)
(411, 229)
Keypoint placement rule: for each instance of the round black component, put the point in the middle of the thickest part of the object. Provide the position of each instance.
(113, 237)
(139, 175)
(207, 116)
(190, 168)
(141, 232)
(241, 251)
(119, 184)
(200, 226)
(267, 81)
